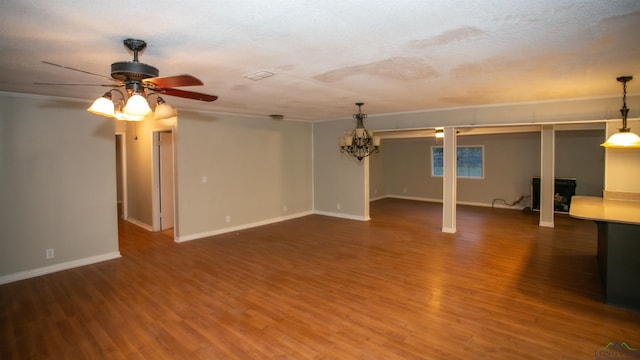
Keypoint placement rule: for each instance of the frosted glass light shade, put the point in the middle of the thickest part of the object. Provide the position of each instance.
(348, 140)
(127, 117)
(622, 140)
(137, 106)
(102, 106)
(165, 111)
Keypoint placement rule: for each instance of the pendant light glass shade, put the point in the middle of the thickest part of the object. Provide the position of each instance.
(127, 117)
(103, 106)
(137, 106)
(164, 110)
(133, 108)
(624, 139)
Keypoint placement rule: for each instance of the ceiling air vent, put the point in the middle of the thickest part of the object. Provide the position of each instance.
(259, 75)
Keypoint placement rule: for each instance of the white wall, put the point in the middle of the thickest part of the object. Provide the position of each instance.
(57, 184)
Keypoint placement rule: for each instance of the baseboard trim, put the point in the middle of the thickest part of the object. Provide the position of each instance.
(546, 224)
(58, 267)
(414, 198)
(341, 215)
(140, 223)
(449, 230)
(240, 227)
(468, 203)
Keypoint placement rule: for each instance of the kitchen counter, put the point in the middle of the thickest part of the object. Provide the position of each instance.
(599, 209)
(618, 223)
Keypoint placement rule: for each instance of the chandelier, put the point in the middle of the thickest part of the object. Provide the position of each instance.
(134, 106)
(624, 139)
(359, 142)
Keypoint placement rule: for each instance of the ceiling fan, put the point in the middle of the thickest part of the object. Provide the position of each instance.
(140, 81)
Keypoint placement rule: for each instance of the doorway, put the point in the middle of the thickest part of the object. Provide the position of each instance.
(163, 174)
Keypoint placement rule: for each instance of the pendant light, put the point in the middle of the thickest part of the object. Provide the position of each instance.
(624, 139)
(359, 142)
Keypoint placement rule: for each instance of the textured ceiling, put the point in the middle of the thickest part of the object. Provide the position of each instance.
(396, 56)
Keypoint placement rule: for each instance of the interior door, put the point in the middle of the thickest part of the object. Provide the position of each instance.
(166, 180)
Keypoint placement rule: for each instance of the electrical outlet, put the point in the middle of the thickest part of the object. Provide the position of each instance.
(338, 206)
(404, 190)
(228, 218)
(284, 208)
(50, 254)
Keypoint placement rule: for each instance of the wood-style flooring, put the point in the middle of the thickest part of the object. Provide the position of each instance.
(318, 287)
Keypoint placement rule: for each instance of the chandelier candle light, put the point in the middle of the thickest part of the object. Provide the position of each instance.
(624, 139)
(359, 142)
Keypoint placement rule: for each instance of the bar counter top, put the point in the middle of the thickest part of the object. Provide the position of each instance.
(609, 210)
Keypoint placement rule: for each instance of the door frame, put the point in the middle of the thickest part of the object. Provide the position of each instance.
(123, 172)
(155, 179)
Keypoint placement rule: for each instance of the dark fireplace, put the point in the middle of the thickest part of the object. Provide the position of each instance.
(563, 190)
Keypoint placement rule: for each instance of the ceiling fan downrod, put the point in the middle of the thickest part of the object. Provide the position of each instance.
(136, 46)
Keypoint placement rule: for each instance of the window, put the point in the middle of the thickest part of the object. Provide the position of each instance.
(469, 159)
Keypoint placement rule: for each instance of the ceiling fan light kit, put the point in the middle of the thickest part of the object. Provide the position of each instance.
(164, 110)
(136, 106)
(140, 82)
(359, 142)
(624, 139)
(103, 106)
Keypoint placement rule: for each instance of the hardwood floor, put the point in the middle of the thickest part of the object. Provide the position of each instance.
(325, 288)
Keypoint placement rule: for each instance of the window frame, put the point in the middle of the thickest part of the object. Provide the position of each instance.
(431, 160)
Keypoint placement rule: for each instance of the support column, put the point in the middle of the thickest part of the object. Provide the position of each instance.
(547, 174)
(366, 204)
(449, 181)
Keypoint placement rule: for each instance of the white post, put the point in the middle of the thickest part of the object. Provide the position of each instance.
(449, 181)
(547, 175)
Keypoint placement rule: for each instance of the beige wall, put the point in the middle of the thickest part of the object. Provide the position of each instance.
(510, 161)
(579, 155)
(338, 178)
(622, 165)
(344, 183)
(139, 151)
(58, 179)
(254, 168)
(57, 184)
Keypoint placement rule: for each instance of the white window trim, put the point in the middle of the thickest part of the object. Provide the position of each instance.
(458, 176)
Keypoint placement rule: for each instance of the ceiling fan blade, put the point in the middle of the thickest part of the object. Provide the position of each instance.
(78, 84)
(74, 69)
(172, 81)
(188, 94)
